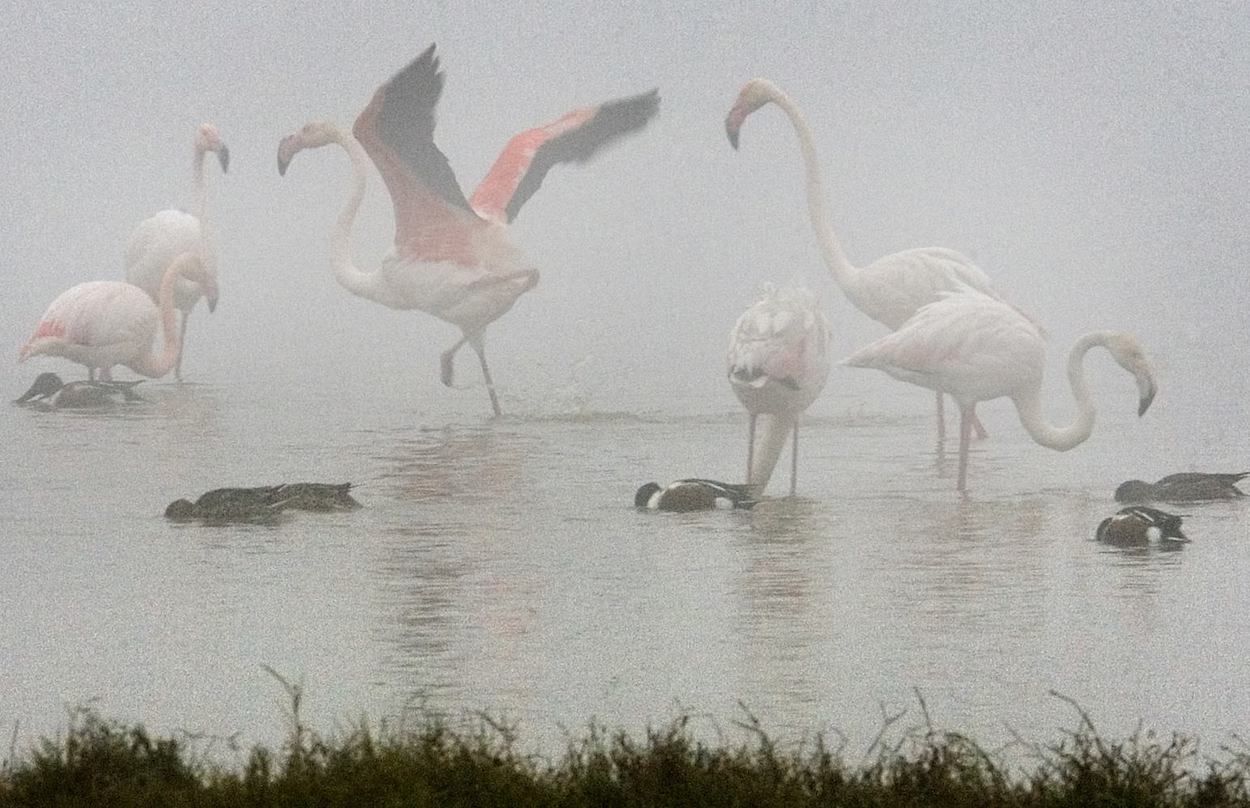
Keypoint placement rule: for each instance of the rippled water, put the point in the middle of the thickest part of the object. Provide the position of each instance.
(498, 565)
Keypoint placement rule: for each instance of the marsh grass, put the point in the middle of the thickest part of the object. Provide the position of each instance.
(104, 763)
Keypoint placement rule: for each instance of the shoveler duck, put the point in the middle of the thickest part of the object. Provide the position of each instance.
(51, 392)
(1188, 486)
(1134, 525)
(262, 503)
(694, 494)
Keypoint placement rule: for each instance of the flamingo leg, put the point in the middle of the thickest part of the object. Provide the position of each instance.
(447, 370)
(966, 417)
(476, 342)
(750, 447)
(978, 427)
(794, 460)
(182, 344)
(941, 418)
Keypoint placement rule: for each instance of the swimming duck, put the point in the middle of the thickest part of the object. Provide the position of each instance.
(51, 392)
(1188, 486)
(694, 494)
(1133, 525)
(263, 503)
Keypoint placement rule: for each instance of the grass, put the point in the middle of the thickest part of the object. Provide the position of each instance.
(100, 762)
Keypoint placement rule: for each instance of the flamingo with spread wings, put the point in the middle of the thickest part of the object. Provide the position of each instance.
(452, 257)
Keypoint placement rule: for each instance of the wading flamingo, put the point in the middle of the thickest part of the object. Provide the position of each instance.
(977, 349)
(159, 239)
(104, 323)
(778, 364)
(452, 257)
(891, 289)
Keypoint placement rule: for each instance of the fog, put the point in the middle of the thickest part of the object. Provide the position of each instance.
(1092, 159)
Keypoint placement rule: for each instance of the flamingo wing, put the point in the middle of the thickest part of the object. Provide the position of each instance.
(574, 137)
(433, 220)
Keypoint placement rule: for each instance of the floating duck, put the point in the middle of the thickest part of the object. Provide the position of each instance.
(51, 392)
(694, 494)
(1188, 486)
(1133, 525)
(263, 503)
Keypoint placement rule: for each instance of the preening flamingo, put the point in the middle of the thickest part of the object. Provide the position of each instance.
(105, 323)
(159, 239)
(452, 257)
(778, 364)
(891, 289)
(977, 348)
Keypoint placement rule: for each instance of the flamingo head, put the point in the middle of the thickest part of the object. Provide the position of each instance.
(193, 269)
(1128, 354)
(311, 136)
(753, 95)
(208, 139)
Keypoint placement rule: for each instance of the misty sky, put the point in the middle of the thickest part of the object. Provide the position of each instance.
(1091, 157)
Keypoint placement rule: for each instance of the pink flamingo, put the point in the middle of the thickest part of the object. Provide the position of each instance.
(104, 323)
(159, 239)
(891, 289)
(452, 257)
(977, 348)
(778, 364)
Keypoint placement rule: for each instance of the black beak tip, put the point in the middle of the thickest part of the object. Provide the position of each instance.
(282, 164)
(223, 157)
(732, 134)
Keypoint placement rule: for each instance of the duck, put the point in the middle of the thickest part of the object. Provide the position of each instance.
(1133, 526)
(263, 503)
(694, 494)
(1187, 486)
(51, 392)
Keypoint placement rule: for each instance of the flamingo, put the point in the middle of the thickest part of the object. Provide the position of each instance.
(100, 324)
(158, 239)
(452, 257)
(977, 348)
(778, 363)
(892, 288)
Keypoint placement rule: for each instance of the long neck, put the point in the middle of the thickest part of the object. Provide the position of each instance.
(198, 185)
(351, 278)
(842, 270)
(1029, 404)
(157, 365)
(772, 429)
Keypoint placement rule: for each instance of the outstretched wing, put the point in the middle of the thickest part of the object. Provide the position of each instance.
(433, 220)
(576, 137)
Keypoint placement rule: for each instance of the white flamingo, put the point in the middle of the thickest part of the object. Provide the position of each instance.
(100, 324)
(976, 348)
(159, 239)
(778, 363)
(891, 289)
(452, 257)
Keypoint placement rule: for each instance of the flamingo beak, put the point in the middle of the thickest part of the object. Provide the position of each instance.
(210, 296)
(286, 150)
(1146, 390)
(733, 122)
(223, 157)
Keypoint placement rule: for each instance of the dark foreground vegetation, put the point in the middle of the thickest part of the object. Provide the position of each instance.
(103, 763)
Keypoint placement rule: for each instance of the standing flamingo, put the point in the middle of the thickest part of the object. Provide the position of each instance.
(778, 363)
(977, 348)
(159, 239)
(892, 288)
(452, 258)
(104, 323)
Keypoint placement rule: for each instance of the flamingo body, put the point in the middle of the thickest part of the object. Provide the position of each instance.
(977, 348)
(451, 256)
(778, 363)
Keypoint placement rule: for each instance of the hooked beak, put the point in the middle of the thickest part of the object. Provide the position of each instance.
(733, 122)
(210, 296)
(1146, 390)
(286, 150)
(223, 157)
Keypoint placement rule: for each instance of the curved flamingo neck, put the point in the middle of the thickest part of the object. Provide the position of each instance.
(771, 433)
(1029, 405)
(350, 277)
(156, 366)
(843, 271)
(197, 183)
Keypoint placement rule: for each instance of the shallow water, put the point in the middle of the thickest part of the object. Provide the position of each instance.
(499, 566)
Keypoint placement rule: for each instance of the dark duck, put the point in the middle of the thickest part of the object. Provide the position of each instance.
(263, 503)
(1136, 525)
(50, 392)
(1188, 486)
(694, 494)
